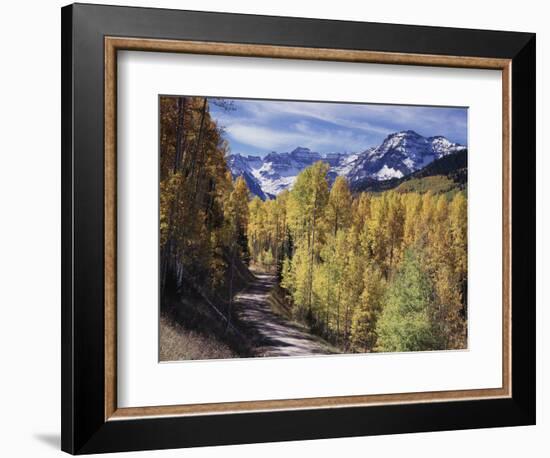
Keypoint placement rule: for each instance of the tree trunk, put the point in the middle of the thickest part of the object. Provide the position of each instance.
(327, 327)
(199, 138)
(179, 133)
(277, 245)
(231, 275)
(338, 319)
(311, 249)
(199, 150)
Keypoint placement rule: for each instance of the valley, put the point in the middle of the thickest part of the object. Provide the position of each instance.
(301, 252)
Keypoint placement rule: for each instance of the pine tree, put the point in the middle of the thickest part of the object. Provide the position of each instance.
(372, 272)
(405, 323)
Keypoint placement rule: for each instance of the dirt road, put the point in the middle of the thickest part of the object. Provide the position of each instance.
(273, 334)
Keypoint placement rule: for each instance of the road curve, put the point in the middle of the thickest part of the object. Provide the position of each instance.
(271, 333)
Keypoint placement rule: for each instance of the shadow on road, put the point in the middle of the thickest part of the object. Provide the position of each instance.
(273, 334)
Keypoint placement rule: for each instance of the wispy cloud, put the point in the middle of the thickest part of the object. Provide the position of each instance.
(260, 126)
(344, 115)
(266, 139)
(263, 138)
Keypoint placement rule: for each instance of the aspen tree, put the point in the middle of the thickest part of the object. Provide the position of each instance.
(338, 211)
(308, 199)
(364, 322)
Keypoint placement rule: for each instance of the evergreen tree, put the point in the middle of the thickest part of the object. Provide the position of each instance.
(405, 323)
(371, 272)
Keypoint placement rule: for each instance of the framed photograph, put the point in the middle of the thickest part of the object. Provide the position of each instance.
(281, 228)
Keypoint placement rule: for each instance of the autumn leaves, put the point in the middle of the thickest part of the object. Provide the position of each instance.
(371, 272)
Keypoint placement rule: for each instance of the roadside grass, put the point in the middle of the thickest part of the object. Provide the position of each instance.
(278, 302)
(192, 325)
(178, 343)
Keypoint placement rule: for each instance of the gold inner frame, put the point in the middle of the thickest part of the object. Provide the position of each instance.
(114, 44)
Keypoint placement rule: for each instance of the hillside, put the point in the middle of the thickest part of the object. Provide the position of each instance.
(451, 172)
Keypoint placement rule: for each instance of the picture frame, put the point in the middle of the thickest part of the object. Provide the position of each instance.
(92, 35)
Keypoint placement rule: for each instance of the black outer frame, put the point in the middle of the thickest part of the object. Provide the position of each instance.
(84, 429)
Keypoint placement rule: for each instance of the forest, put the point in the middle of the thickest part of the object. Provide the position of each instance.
(362, 272)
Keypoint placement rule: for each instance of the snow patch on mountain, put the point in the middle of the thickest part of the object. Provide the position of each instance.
(400, 154)
(345, 164)
(386, 173)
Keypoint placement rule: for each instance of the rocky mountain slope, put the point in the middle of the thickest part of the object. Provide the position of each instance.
(399, 155)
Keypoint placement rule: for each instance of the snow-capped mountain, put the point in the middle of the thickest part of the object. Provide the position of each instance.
(274, 172)
(246, 166)
(400, 154)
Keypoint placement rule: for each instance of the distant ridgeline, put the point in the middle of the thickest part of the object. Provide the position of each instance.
(402, 157)
(366, 271)
(441, 175)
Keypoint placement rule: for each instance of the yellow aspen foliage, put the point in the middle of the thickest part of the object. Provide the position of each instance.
(448, 309)
(458, 219)
(394, 226)
(361, 211)
(379, 271)
(365, 315)
(338, 211)
(375, 237)
(411, 226)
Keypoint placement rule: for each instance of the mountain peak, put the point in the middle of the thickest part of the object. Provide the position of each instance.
(404, 133)
(302, 154)
(401, 153)
(300, 150)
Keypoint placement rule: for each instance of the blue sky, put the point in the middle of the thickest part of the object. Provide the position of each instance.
(259, 126)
